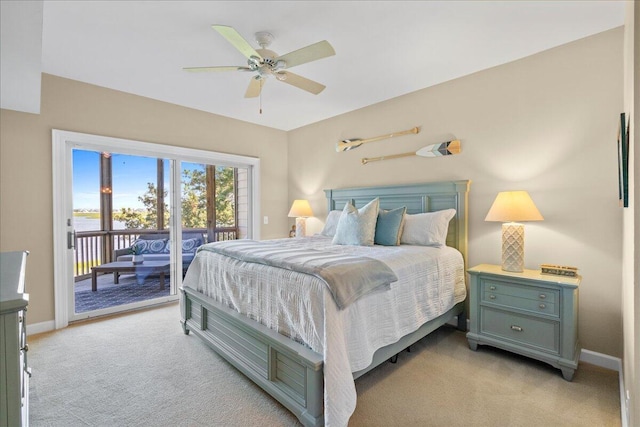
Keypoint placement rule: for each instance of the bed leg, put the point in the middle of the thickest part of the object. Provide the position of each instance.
(184, 327)
(409, 349)
(185, 310)
(394, 358)
(462, 321)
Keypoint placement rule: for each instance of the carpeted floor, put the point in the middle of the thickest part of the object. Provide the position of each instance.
(109, 294)
(139, 369)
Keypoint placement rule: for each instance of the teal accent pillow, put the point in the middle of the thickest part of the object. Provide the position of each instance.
(357, 226)
(389, 226)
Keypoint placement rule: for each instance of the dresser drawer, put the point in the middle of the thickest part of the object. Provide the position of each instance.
(532, 298)
(537, 333)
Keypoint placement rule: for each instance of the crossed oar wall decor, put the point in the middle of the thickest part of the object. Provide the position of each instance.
(434, 150)
(350, 144)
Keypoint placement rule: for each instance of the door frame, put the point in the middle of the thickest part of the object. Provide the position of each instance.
(63, 142)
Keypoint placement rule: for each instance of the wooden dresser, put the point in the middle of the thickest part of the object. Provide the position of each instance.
(14, 373)
(528, 313)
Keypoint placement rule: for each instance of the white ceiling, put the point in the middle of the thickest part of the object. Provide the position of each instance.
(383, 49)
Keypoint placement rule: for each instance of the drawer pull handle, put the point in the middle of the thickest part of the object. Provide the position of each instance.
(542, 306)
(542, 296)
(516, 328)
(25, 348)
(492, 288)
(492, 297)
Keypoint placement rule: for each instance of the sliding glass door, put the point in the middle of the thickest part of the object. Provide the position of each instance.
(120, 207)
(132, 220)
(121, 226)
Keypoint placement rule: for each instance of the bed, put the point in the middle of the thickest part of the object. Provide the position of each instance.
(307, 354)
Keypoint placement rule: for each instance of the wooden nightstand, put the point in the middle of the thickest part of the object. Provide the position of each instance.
(528, 313)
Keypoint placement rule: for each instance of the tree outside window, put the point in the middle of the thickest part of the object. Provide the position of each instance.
(193, 201)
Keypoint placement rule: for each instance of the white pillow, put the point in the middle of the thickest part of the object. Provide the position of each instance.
(427, 229)
(357, 226)
(331, 224)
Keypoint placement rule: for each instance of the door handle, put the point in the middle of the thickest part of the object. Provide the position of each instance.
(71, 239)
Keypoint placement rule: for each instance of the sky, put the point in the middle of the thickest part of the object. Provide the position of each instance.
(130, 177)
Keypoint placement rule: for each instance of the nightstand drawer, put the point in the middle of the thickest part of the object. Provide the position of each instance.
(537, 333)
(522, 291)
(510, 301)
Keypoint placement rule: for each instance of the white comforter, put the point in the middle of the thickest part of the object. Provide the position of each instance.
(430, 282)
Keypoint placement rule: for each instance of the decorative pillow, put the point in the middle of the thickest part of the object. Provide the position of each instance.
(190, 245)
(143, 246)
(389, 226)
(331, 224)
(427, 229)
(357, 226)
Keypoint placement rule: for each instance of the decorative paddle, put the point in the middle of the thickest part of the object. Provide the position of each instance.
(434, 150)
(350, 144)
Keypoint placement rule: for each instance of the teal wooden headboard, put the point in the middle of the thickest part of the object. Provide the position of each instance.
(418, 198)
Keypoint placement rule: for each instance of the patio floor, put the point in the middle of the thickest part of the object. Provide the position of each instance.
(110, 295)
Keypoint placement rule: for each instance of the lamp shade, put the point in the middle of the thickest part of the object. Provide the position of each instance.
(513, 206)
(300, 209)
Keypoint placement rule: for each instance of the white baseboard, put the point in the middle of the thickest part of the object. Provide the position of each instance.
(624, 402)
(38, 328)
(602, 360)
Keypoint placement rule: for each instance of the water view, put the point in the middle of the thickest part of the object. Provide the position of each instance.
(85, 223)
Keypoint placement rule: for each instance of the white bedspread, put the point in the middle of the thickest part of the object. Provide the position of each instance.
(430, 282)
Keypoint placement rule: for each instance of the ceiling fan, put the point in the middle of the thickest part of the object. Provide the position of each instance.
(264, 62)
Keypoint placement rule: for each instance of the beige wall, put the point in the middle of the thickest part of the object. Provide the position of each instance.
(26, 163)
(546, 124)
(631, 220)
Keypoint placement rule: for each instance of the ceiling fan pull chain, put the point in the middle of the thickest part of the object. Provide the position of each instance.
(261, 96)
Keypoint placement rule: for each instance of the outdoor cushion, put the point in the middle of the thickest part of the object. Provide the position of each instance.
(145, 246)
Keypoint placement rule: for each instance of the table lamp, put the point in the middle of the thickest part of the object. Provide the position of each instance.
(300, 210)
(510, 208)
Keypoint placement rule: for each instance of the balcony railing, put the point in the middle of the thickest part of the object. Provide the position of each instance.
(91, 247)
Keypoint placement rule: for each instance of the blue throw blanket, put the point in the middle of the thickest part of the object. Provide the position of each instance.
(347, 277)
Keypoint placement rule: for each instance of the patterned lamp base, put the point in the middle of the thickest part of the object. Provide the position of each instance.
(301, 227)
(513, 247)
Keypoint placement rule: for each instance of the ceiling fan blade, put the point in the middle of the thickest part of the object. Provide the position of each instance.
(215, 68)
(236, 40)
(307, 54)
(255, 87)
(301, 82)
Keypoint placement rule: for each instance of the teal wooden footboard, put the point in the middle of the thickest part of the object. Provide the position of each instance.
(287, 370)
